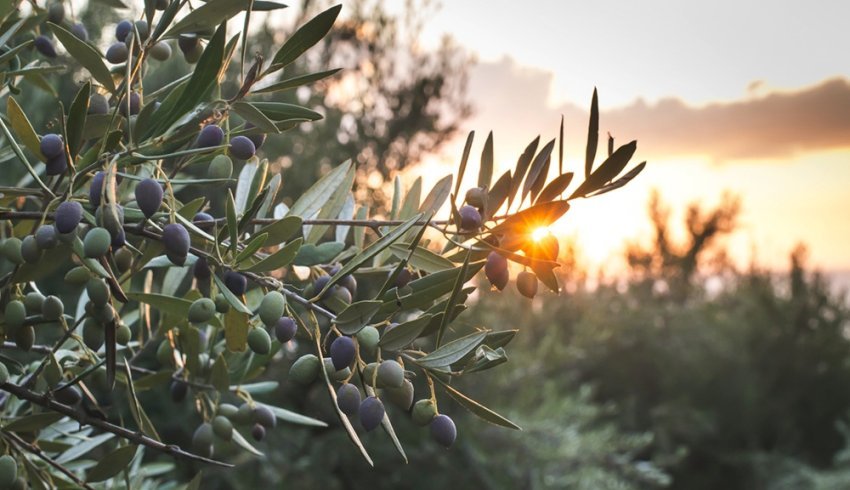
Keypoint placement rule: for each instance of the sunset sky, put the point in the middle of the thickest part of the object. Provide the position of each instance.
(749, 97)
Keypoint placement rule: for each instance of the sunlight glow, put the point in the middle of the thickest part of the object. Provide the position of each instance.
(539, 233)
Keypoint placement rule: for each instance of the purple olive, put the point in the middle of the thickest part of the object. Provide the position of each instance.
(285, 329)
(149, 197)
(210, 135)
(371, 413)
(343, 351)
(68, 216)
(443, 430)
(348, 399)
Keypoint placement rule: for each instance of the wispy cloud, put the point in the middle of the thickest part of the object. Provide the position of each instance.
(774, 124)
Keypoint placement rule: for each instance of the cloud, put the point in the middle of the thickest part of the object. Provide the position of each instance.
(764, 125)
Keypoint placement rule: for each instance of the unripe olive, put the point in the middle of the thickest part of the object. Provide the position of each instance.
(236, 282)
(202, 439)
(333, 373)
(242, 147)
(67, 217)
(221, 304)
(92, 333)
(221, 167)
(401, 397)
(149, 197)
(46, 237)
(98, 291)
(470, 218)
(98, 104)
(143, 29)
(8, 471)
(123, 259)
(371, 413)
(341, 294)
(25, 338)
(12, 250)
(111, 217)
(443, 430)
(15, 315)
(68, 396)
(117, 53)
(348, 399)
(258, 432)
(179, 389)
(51, 145)
(201, 310)
(165, 353)
(227, 410)
(259, 341)
(176, 241)
(496, 270)
(305, 369)
(367, 339)
(105, 314)
(369, 373)
(52, 308)
(123, 334)
(476, 197)
(29, 250)
(271, 308)
(210, 135)
(96, 243)
(33, 301)
(390, 374)
(424, 412)
(77, 276)
(243, 414)
(285, 329)
(222, 427)
(343, 351)
(45, 47)
(526, 284)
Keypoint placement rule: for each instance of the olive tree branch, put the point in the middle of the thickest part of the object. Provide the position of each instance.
(15, 439)
(135, 437)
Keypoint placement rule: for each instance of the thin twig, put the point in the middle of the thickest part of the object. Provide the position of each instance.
(83, 418)
(38, 452)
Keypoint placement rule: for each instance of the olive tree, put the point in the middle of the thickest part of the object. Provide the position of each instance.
(118, 282)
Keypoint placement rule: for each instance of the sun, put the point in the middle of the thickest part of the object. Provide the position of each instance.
(539, 233)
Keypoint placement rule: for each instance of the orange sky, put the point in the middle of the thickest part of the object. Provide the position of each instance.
(762, 111)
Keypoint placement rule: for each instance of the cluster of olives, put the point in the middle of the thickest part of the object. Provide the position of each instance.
(338, 296)
(259, 417)
(240, 147)
(9, 474)
(56, 15)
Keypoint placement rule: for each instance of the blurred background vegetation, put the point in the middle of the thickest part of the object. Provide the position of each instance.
(683, 372)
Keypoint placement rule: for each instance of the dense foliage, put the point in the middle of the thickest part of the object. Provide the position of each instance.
(136, 267)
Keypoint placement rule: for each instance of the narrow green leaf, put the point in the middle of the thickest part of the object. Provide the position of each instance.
(607, 171)
(278, 260)
(261, 388)
(255, 244)
(111, 464)
(244, 444)
(207, 16)
(538, 168)
(314, 198)
(236, 330)
(310, 254)
(452, 352)
(254, 116)
(177, 307)
(281, 230)
(462, 168)
(232, 223)
(32, 423)
(76, 123)
(235, 302)
(219, 375)
(438, 195)
(372, 250)
(527, 220)
(476, 408)
(422, 258)
(298, 81)
(304, 38)
(485, 173)
(23, 128)
(334, 202)
(294, 418)
(625, 179)
(555, 188)
(86, 55)
(354, 317)
(82, 448)
(521, 168)
(592, 135)
(411, 200)
(497, 195)
(458, 286)
(404, 333)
